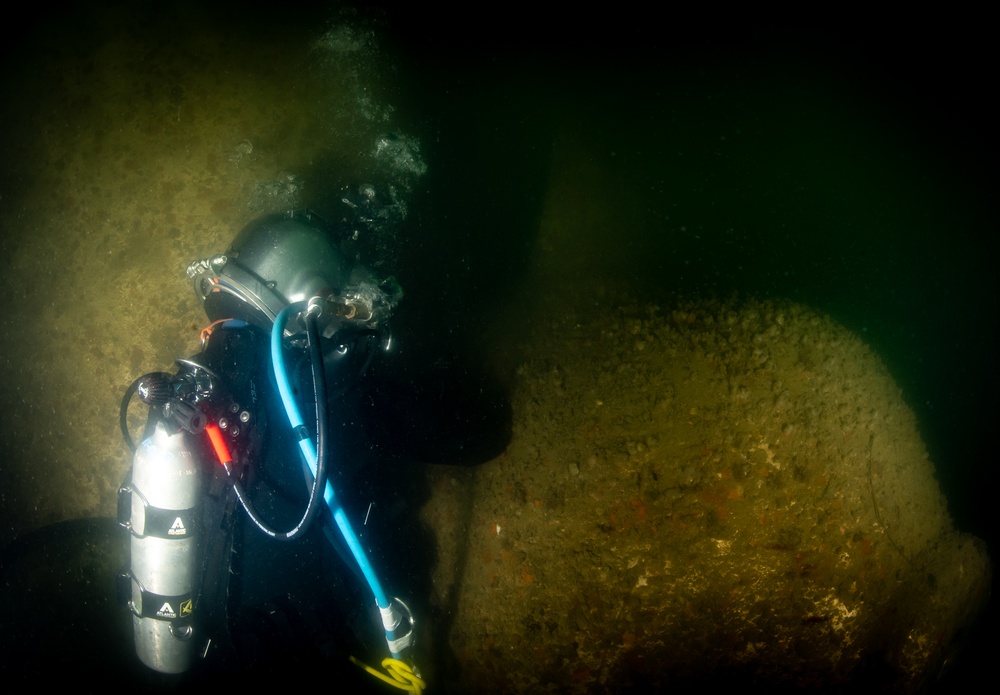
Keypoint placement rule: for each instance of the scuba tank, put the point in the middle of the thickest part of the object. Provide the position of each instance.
(162, 496)
(176, 505)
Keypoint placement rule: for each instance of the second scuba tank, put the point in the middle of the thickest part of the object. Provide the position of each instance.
(165, 485)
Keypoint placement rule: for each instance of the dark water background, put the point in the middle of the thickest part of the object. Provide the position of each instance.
(846, 165)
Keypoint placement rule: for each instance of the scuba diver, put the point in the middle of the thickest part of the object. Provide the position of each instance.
(245, 554)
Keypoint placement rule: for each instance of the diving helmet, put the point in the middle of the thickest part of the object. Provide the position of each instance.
(275, 260)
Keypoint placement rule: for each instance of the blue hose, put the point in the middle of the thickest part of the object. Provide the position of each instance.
(309, 452)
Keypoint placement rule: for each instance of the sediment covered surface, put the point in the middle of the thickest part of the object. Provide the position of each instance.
(705, 492)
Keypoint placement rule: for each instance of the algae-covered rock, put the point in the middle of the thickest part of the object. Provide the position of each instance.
(708, 492)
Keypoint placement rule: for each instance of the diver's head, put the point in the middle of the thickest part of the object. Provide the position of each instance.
(275, 260)
(284, 258)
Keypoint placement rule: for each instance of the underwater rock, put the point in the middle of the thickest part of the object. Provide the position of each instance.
(709, 493)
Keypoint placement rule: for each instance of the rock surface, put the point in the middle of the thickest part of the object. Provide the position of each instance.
(709, 492)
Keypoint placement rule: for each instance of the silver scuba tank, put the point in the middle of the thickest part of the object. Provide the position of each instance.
(165, 485)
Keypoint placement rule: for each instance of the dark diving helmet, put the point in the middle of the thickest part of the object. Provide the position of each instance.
(284, 258)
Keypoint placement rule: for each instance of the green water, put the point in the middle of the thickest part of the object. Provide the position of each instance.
(846, 171)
